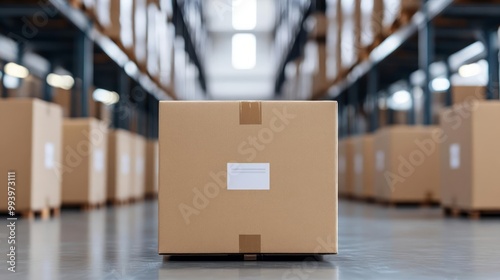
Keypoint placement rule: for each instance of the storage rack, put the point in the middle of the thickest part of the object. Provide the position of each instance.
(439, 29)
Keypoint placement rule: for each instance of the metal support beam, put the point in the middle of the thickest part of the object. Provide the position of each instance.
(492, 56)
(84, 70)
(372, 92)
(412, 113)
(47, 89)
(353, 97)
(426, 57)
(120, 111)
(449, 94)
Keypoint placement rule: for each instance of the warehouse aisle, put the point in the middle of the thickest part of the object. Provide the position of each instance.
(375, 242)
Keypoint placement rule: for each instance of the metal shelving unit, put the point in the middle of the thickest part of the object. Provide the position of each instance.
(440, 29)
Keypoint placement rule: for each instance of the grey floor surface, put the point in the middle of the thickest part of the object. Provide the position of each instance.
(375, 243)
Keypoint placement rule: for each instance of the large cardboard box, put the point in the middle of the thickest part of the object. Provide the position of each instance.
(363, 167)
(152, 167)
(84, 158)
(346, 167)
(470, 156)
(138, 187)
(407, 164)
(248, 177)
(31, 147)
(119, 165)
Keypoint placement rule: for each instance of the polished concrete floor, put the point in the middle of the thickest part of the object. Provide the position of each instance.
(375, 243)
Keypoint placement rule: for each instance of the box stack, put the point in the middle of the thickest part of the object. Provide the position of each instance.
(120, 178)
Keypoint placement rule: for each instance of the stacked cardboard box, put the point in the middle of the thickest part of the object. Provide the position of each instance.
(241, 170)
(470, 156)
(152, 168)
(31, 147)
(363, 167)
(84, 161)
(346, 167)
(407, 164)
(348, 55)
(119, 166)
(138, 160)
(461, 94)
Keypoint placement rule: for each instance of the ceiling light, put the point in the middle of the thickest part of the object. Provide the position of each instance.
(16, 70)
(60, 81)
(105, 96)
(440, 84)
(244, 51)
(400, 100)
(244, 14)
(469, 70)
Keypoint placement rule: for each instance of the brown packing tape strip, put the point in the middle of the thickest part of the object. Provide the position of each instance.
(250, 243)
(250, 112)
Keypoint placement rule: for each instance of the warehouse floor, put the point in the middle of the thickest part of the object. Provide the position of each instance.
(375, 242)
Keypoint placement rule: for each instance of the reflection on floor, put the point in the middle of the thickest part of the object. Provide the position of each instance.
(375, 243)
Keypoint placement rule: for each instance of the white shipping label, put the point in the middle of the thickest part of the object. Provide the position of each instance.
(248, 176)
(49, 158)
(125, 164)
(98, 160)
(139, 166)
(454, 156)
(342, 164)
(358, 164)
(380, 160)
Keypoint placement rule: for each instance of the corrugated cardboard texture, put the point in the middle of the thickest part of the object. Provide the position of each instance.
(84, 182)
(250, 112)
(31, 124)
(119, 169)
(410, 173)
(473, 185)
(197, 214)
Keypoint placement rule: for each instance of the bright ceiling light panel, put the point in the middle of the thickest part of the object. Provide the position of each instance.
(244, 14)
(60, 81)
(105, 96)
(469, 70)
(244, 51)
(16, 70)
(440, 84)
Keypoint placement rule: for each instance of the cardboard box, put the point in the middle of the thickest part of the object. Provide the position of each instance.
(368, 16)
(138, 187)
(347, 43)
(461, 94)
(363, 167)
(84, 158)
(319, 26)
(280, 194)
(407, 164)
(346, 167)
(119, 165)
(108, 17)
(31, 147)
(152, 167)
(470, 156)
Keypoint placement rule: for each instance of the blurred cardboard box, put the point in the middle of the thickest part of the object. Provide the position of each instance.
(138, 166)
(470, 156)
(346, 167)
(248, 177)
(461, 94)
(152, 167)
(368, 16)
(407, 164)
(31, 147)
(119, 165)
(84, 158)
(318, 24)
(363, 166)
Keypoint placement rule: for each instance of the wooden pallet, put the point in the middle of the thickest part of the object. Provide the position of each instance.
(43, 214)
(413, 204)
(470, 213)
(85, 206)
